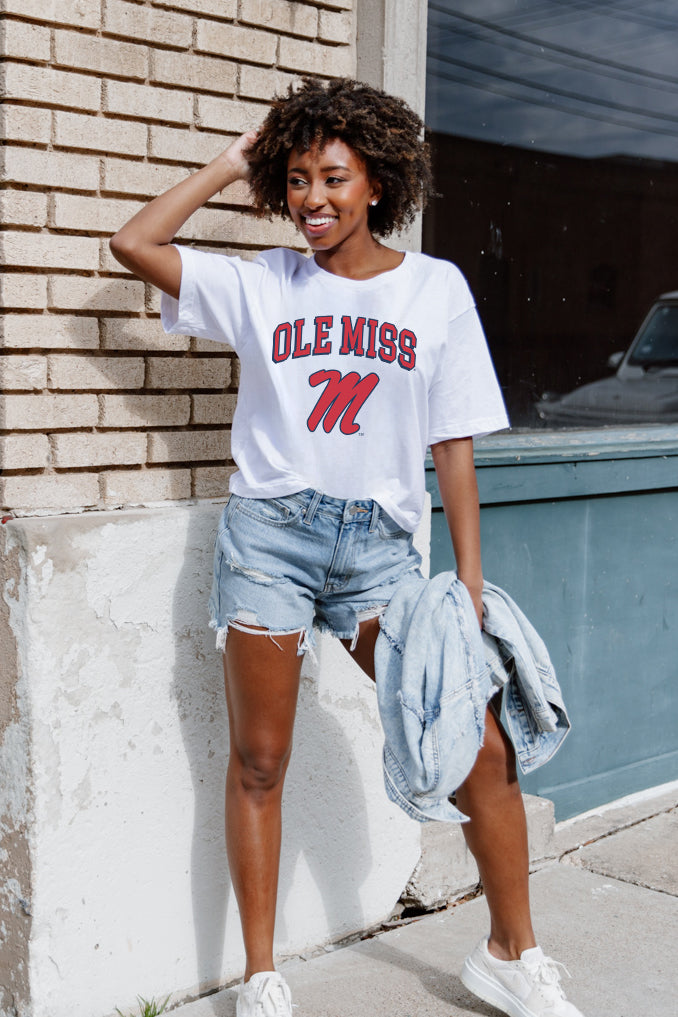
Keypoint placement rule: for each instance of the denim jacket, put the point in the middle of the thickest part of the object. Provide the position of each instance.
(435, 674)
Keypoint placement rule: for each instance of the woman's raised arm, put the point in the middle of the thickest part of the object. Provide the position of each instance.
(143, 245)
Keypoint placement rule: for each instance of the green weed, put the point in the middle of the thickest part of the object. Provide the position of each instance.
(147, 1008)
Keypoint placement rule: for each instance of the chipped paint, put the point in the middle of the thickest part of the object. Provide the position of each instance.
(117, 736)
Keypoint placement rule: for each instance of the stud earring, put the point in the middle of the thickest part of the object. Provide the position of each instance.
(375, 201)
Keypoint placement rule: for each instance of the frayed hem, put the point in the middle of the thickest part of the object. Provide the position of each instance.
(304, 645)
(353, 634)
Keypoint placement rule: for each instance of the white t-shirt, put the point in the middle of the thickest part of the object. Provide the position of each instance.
(344, 382)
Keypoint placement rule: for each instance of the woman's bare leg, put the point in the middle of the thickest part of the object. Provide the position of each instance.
(497, 837)
(262, 684)
(497, 831)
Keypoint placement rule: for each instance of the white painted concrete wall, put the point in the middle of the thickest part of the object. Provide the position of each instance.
(113, 758)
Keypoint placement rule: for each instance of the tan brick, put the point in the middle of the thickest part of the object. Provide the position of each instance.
(211, 481)
(51, 170)
(108, 449)
(208, 346)
(46, 412)
(188, 446)
(153, 300)
(191, 71)
(139, 334)
(55, 331)
(228, 114)
(42, 250)
(213, 409)
(79, 13)
(136, 487)
(263, 83)
(49, 87)
(227, 9)
(106, 56)
(144, 410)
(185, 372)
(339, 5)
(97, 215)
(107, 263)
(312, 58)
(210, 224)
(91, 294)
(179, 144)
(241, 43)
(100, 134)
(144, 178)
(17, 123)
(77, 372)
(281, 16)
(22, 372)
(148, 103)
(19, 289)
(23, 208)
(336, 26)
(23, 451)
(49, 491)
(132, 21)
(21, 40)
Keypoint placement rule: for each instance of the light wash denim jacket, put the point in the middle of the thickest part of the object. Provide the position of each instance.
(435, 674)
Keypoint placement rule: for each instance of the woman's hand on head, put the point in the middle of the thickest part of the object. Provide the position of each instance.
(235, 157)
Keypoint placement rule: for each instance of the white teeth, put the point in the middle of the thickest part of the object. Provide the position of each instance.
(321, 220)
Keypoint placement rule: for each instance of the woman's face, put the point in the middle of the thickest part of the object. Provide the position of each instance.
(328, 195)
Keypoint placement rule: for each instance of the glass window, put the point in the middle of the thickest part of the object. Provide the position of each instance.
(554, 130)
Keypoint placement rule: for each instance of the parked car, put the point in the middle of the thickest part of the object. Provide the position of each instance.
(644, 388)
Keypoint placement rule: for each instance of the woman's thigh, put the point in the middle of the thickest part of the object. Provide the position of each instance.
(261, 675)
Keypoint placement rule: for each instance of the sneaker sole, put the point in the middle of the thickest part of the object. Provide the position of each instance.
(490, 991)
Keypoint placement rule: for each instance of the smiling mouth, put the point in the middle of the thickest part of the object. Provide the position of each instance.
(319, 220)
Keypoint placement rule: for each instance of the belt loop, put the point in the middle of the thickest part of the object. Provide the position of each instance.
(311, 510)
(375, 517)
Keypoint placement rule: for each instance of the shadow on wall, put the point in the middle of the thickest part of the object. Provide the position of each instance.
(326, 854)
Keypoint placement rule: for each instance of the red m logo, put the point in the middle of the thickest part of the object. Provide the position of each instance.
(343, 397)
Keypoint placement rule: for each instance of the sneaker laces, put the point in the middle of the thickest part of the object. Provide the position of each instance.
(274, 997)
(547, 974)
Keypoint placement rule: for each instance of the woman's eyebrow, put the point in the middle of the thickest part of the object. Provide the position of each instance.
(323, 169)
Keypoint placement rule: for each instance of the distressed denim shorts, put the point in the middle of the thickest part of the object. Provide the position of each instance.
(287, 564)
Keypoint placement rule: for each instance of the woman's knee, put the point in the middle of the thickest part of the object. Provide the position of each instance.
(259, 770)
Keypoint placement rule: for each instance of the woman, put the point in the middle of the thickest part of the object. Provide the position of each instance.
(353, 361)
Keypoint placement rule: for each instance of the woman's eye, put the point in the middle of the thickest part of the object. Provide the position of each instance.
(335, 180)
(296, 182)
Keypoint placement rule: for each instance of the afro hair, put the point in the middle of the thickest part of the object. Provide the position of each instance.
(380, 128)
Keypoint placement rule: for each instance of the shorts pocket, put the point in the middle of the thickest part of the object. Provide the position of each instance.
(389, 528)
(272, 511)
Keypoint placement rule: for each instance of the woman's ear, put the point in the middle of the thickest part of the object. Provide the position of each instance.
(377, 192)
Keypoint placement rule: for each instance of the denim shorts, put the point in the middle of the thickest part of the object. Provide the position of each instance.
(287, 564)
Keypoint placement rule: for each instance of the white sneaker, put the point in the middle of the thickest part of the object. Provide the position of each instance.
(529, 987)
(266, 994)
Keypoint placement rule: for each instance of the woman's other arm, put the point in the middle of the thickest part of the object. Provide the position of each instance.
(453, 460)
(143, 245)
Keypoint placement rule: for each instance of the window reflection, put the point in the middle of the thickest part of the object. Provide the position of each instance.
(554, 128)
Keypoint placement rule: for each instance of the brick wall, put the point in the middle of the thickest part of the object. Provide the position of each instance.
(107, 103)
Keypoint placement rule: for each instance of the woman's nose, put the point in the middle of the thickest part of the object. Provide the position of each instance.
(315, 196)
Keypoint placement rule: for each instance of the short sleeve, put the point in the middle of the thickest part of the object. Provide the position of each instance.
(465, 398)
(213, 297)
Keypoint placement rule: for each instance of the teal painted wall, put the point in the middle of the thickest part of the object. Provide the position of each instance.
(582, 531)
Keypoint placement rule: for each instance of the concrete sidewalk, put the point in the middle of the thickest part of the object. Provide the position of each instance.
(606, 906)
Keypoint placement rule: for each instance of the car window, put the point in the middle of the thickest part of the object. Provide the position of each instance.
(657, 344)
